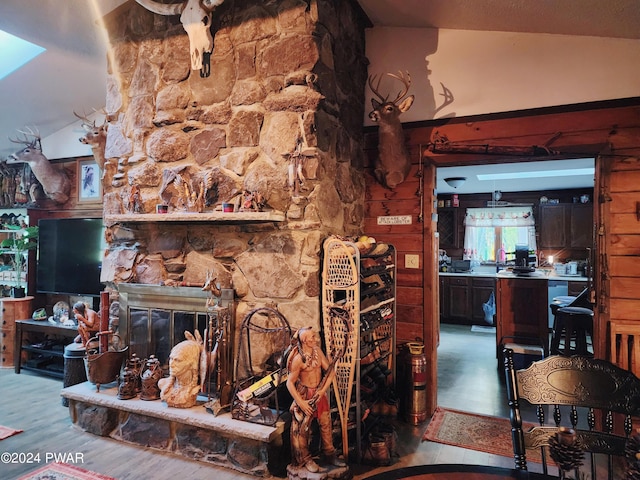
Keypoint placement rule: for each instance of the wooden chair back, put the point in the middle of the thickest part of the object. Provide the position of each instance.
(591, 396)
(624, 344)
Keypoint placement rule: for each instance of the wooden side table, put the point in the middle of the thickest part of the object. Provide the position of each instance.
(11, 309)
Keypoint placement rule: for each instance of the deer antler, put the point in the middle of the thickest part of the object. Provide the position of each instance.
(406, 82)
(375, 89)
(35, 143)
(85, 121)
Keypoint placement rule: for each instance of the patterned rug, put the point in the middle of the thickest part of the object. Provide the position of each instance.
(6, 432)
(475, 432)
(63, 471)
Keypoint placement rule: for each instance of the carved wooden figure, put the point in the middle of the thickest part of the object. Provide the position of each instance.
(181, 388)
(393, 163)
(54, 181)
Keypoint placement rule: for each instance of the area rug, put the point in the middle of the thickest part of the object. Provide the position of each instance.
(63, 471)
(483, 329)
(473, 431)
(6, 432)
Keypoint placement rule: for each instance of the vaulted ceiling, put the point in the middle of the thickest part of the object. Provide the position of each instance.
(70, 76)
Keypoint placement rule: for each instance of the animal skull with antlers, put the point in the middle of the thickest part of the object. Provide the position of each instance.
(393, 163)
(195, 16)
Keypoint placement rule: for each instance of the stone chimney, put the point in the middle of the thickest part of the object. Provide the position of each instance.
(280, 114)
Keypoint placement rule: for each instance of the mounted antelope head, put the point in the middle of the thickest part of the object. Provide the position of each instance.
(96, 137)
(195, 16)
(54, 181)
(393, 163)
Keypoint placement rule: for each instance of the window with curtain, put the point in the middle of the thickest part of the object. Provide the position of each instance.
(491, 233)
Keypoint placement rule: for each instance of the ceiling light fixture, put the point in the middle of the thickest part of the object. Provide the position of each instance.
(455, 182)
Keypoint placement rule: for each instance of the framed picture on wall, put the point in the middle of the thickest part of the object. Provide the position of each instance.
(89, 184)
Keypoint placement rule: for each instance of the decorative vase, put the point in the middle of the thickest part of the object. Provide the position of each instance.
(17, 292)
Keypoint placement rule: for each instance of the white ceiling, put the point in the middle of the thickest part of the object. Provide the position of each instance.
(548, 175)
(70, 75)
(596, 18)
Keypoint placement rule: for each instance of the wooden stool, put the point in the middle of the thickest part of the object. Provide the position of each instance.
(558, 303)
(572, 327)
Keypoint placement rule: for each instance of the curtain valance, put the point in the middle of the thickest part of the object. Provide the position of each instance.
(499, 217)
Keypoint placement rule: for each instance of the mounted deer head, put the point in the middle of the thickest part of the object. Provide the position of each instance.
(54, 181)
(195, 16)
(393, 163)
(96, 137)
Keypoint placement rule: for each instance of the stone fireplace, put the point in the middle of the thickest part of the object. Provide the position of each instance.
(280, 115)
(279, 118)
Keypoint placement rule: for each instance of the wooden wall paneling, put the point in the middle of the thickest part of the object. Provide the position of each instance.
(625, 180)
(623, 309)
(431, 284)
(625, 223)
(625, 287)
(410, 277)
(403, 200)
(620, 278)
(411, 327)
(376, 208)
(621, 244)
(575, 131)
(599, 282)
(409, 295)
(624, 266)
(623, 202)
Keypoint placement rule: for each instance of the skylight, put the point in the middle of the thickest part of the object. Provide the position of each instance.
(15, 52)
(537, 174)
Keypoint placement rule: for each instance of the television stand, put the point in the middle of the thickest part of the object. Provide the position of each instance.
(45, 354)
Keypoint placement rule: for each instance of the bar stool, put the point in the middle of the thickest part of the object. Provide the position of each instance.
(558, 303)
(572, 327)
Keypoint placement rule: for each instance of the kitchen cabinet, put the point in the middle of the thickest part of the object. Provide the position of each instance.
(581, 225)
(449, 228)
(481, 290)
(553, 226)
(444, 296)
(566, 225)
(462, 297)
(459, 298)
(522, 311)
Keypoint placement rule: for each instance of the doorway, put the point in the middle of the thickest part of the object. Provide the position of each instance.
(485, 186)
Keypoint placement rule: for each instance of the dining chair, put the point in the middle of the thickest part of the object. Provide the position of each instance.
(591, 403)
(624, 344)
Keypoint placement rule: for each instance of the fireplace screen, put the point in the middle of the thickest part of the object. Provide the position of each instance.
(154, 318)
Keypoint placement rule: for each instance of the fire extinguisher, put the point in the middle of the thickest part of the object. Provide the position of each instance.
(413, 377)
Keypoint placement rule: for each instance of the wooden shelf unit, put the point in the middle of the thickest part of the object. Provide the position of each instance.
(348, 281)
(53, 339)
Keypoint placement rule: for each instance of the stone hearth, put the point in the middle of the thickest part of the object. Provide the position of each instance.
(193, 433)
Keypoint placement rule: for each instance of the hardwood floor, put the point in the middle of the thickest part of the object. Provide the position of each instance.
(468, 380)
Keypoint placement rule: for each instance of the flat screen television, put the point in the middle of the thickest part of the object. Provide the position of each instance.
(70, 252)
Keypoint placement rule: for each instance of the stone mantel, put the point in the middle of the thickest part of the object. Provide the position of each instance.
(214, 217)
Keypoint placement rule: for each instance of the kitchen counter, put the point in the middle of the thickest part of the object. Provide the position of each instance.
(538, 274)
